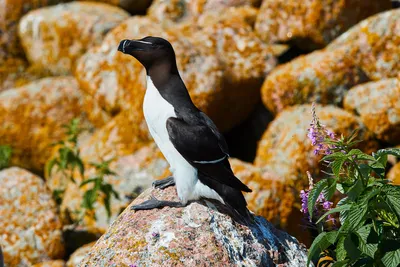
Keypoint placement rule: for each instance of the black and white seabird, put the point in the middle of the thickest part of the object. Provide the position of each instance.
(189, 140)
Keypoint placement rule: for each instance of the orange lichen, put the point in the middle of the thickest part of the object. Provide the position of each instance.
(30, 230)
(32, 116)
(377, 103)
(55, 37)
(318, 21)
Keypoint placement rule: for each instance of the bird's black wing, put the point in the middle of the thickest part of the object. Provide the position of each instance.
(204, 149)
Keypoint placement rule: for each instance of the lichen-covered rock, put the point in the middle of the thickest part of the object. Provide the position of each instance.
(76, 257)
(10, 13)
(375, 43)
(322, 76)
(32, 117)
(30, 230)
(55, 37)
(312, 23)
(271, 198)
(378, 105)
(200, 234)
(134, 174)
(175, 11)
(55, 263)
(15, 72)
(394, 174)
(285, 150)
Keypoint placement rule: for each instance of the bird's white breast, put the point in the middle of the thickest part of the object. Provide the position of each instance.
(157, 110)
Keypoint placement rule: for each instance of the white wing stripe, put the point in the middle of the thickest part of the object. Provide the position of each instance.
(209, 162)
(143, 42)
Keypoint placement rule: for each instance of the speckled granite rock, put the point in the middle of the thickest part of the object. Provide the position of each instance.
(55, 37)
(312, 23)
(378, 104)
(134, 174)
(30, 230)
(322, 76)
(175, 11)
(55, 263)
(10, 13)
(76, 257)
(38, 110)
(375, 44)
(285, 150)
(394, 174)
(201, 234)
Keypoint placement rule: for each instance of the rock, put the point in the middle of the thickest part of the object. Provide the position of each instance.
(199, 234)
(55, 263)
(312, 23)
(31, 230)
(173, 11)
(134, 174)
(55, 37)
(132, 6)
(15, 72)
(10, 13)
(394, 174)
(378, 105)
(285, 150)
(322, 76)
(76, 257)
(32, 117)
(375, 44)
(271, 198)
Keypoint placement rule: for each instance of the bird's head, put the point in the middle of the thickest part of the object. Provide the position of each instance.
(149, 51)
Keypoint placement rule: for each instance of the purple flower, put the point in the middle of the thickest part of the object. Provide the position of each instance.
(155, 235)
(132, 265)
(304, 202)
(317, 134)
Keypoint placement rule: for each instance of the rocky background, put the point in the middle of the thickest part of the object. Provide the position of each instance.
(254, 66)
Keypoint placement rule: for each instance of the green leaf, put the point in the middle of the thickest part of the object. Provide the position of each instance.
(321, 242)
(314, 193)
(356, 189)
(50, 165)
(387, 151)
(340, 263)
(393, 197)
(355, 216)
(391, 258)
(334, 156)
(368, 194)
(89, 198)
(87, 181)
(363, 246)
(107, 204)
(331, 188)
(365, 170)
(360, 155)
(5, 156)
(351, 247)
(341, 252)
(337, 166)
(334, 210)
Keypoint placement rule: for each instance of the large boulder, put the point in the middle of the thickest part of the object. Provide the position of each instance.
(173, 11)
(10, 13)
(55, 37)
(378, 105)
(312, 23)
(32, 117)
(30, 229)
(200, 234)
(286, 151)
(54, 263)
(375, 44)
(322, 76)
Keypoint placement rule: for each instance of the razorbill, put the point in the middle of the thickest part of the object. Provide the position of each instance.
(189, 140)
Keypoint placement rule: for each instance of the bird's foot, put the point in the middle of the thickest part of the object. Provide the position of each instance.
(164, 183)
(154, 203)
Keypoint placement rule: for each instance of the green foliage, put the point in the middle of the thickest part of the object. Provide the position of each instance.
(5, 156)
(369, 212)
(68, 160)
(100, 186)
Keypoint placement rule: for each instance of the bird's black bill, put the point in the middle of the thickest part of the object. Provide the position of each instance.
(128, 46)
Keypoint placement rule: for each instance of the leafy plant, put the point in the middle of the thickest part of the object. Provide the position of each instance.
(68, 158)
(5, 156)
(368, 230)
(100, 186)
